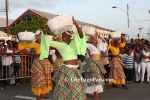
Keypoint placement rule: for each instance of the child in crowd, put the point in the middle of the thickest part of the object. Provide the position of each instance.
(128, 69)
(122, 53)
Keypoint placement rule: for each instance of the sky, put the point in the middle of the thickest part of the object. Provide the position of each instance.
(98, 12)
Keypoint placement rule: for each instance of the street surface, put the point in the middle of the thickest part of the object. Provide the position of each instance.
(136, 91)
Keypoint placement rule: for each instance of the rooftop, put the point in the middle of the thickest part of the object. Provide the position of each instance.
(49, 16)
(3, 22)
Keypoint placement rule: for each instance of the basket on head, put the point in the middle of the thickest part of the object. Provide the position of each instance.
(60, 24)
(26, 36)
(88, 30)
(115, 34)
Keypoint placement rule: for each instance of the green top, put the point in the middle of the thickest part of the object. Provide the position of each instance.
(68, 52)
(122, 56)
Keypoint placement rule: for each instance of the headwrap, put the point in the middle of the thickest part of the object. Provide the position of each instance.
(69, 33)
(39, 32)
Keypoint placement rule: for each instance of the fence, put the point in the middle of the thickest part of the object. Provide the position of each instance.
(17, 70)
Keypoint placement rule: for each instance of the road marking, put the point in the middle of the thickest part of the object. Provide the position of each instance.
(28, 98)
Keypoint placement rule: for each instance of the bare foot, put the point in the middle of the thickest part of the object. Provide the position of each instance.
(96, 96)
(38, 98)
(90, 94)
(43, 96)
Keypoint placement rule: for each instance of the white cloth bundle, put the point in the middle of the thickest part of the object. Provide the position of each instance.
(88, 30)
(115, 34)
(60, 24)
(38, 32)
(26, 36)
(50, 37)
(102, 46)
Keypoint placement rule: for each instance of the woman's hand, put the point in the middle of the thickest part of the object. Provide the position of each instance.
(78, 28)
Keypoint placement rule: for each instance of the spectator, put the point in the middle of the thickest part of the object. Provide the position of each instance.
(17, 62)
(145, 63)
(128, 69)
(7, 61)
(137, 63)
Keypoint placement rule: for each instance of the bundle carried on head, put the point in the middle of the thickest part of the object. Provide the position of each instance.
(115, 34)
(26, 36)
(50, 37)
(39, 32)
(60, 24)
(88, 30)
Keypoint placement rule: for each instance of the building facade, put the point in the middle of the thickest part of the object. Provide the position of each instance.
(30, 13)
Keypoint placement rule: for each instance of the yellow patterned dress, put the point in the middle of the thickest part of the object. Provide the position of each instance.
(40, 71)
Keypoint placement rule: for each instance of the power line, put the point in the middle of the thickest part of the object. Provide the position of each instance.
(134, 26)
(135, 18)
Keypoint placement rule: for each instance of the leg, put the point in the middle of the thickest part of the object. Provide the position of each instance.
(148, 71)
(5, 73)
(38, 98)
(131, 75)
(43, 96)
(139, 71)
(16, 68)
(126, 73)
(143, 71)
(136, 71)
(96, 96)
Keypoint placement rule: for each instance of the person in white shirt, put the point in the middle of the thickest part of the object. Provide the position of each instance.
(145, 63)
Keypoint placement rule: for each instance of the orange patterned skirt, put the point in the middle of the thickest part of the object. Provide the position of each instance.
(41, 76)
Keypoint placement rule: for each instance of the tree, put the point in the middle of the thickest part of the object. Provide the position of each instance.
(30, 25)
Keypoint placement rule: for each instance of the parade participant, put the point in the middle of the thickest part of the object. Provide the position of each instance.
(116, 65)
(58, 62)
(40, 70)
(122, 43)
(94, 69)
(67, 78)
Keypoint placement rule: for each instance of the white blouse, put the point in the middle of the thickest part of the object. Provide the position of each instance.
(92, 49)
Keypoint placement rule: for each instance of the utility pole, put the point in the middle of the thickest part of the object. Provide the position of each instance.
(128, 14)
(128, 20)
(6, 2)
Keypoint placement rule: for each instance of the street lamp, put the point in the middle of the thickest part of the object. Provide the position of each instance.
(124, 11)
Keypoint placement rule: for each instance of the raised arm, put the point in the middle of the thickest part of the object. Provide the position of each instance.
(78, 28)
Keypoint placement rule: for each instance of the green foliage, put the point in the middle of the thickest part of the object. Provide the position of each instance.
(30, 25)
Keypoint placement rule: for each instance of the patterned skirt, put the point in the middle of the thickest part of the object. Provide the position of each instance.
(40, 76)
(68, 84)
(94, 70)
(116, 71)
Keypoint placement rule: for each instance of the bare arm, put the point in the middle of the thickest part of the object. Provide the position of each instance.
(144, 57)
(78, 28)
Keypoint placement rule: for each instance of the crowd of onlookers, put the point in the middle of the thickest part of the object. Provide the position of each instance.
(14, 64)
(136, 57)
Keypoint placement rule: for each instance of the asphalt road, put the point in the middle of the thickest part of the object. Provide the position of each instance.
(136, 91)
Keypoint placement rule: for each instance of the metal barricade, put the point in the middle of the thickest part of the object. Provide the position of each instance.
(15, 70)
